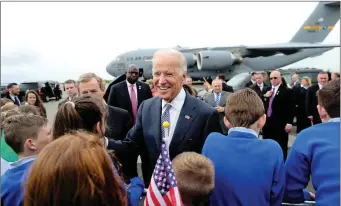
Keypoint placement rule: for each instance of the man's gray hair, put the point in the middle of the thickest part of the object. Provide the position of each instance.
(183, 62)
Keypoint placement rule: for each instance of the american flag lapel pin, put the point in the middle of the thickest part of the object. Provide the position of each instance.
(187, 117)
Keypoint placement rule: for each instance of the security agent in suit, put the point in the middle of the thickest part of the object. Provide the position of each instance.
(191, 120)
(14, 93)
(279, 112)
(260, 87)
(71, 90)
(217, 99)
(252, 81)
(226, 88)
(311, 100)
(129, 94)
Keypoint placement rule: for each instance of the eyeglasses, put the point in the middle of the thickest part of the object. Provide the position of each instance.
(271, 78)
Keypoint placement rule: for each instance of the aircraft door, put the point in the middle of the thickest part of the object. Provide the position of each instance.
(140, 72)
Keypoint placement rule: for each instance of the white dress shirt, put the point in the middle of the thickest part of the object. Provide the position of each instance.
(320, 85)
(129, 89)
(15, 98)
(261, 86)
(276, 88)
(174, 113)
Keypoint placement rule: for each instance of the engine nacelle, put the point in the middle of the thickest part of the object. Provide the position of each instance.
(190, 59)
(215, 60)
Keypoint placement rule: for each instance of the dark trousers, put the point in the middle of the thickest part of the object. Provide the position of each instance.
(275, 130)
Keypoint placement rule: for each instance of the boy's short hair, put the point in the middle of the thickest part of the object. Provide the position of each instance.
(244, 108)
(194, 175)
(19, 127)
(29, 109)
(329, 98)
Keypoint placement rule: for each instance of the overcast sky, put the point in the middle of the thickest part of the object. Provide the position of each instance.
(61, 40)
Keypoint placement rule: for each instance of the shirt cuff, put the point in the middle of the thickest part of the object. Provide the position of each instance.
(306, 195)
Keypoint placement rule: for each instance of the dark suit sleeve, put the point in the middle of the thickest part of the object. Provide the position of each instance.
(212, 125)
(290, 104)
(112, 97)
(128, 123)
(149, 92)
(308, 101)
(134, 138)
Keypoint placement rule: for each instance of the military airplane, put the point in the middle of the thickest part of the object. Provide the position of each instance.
(210, 61)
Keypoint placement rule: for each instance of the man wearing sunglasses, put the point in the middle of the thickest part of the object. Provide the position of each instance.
(279, 112)
(311, 100)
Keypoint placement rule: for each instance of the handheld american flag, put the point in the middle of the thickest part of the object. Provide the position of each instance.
(162, 189)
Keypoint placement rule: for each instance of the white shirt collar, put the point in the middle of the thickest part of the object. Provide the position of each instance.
(336, 119)
(261, 84)
(128, 84)
(320, 85)
(178, 101)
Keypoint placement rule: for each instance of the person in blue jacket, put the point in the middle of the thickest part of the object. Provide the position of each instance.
(75, 169)
(27, 135)
(316, 153)
(248, 170)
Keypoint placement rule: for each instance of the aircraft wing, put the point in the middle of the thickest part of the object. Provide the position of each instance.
(264, 50)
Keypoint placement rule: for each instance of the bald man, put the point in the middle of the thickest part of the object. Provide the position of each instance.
(217, 99)
(279, 112)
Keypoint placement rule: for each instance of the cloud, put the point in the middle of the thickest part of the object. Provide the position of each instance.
(61, 40)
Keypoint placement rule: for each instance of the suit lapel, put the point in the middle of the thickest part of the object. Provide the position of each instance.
(139, 93)
(156, 122)
(185, 120)
(222, 98)
(126, 93)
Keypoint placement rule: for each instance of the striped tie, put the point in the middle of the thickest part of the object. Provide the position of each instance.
(217, 99)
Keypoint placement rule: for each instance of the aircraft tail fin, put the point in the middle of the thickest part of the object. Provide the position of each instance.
(319, 24)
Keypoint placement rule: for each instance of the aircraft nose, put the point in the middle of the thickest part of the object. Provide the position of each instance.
(111, 68)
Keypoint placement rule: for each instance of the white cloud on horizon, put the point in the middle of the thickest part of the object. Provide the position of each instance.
(65, 39)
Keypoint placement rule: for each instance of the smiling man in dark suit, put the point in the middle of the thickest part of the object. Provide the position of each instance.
(191, 120)
(131, 93)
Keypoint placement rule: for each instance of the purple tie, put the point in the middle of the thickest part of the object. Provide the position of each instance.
(270, 103)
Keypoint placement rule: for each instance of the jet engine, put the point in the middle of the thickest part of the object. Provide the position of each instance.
(215, 60)
(190, 59)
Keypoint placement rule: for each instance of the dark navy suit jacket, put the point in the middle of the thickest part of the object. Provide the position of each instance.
(196, 121)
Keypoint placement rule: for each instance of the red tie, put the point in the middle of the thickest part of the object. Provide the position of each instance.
(133, 101)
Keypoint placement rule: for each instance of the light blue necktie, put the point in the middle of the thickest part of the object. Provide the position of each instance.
(165, 117)
(217, 99)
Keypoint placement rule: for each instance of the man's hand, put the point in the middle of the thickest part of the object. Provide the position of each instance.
(268, 94)
(312, 195)
(288, 128)
(207, 85)
(310, 117)
(220, 109)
